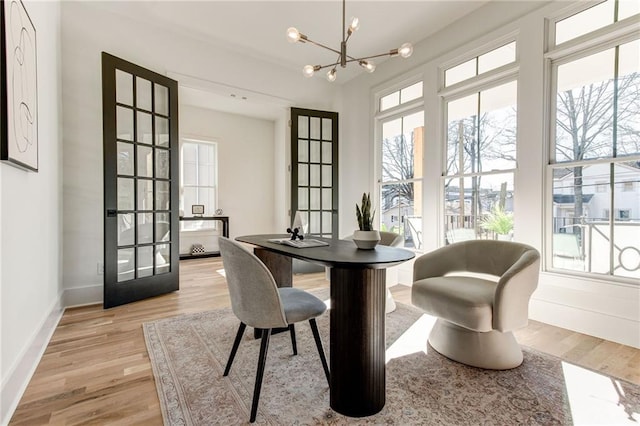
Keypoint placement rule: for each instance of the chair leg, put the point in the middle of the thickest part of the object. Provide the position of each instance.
(264, 347)
(292, 329)
(234, 349)
(316, 336)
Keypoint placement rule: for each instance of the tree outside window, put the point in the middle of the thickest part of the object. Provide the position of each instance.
(597, 148)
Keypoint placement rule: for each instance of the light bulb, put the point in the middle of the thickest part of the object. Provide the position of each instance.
(405, 50)
(368, 65)
(293, 35)
(331, 75)
(308, 71)
(354, 25)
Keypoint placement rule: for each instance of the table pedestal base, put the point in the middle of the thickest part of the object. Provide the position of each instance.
(357, 341)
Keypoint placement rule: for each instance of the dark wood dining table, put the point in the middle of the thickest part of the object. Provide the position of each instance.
(357, 314)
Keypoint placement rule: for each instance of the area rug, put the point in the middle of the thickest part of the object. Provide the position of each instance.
(188, 355)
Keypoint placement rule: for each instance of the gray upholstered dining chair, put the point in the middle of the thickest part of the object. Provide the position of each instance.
(259, 303)
(480, 291)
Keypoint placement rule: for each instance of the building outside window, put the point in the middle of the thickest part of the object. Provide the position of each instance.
(595, 143)
(401, 140)
(480, 148)
(198, 181)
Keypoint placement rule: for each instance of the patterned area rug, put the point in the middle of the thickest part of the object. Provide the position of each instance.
(188, 355)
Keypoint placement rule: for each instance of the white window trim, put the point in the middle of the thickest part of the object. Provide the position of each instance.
(203, 140)
(585, 45)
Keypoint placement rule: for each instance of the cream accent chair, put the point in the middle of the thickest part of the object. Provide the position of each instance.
(480, 291)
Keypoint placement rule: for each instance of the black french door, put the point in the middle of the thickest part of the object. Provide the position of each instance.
(140, 148)
(314, 170)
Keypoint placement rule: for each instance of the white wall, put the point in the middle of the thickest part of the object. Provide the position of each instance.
(599, 307)
(246, 177)
(87, 30)
(31, 227)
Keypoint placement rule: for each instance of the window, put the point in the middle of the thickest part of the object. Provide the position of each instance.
(594, 18)
(480, 64)
(401, 96)
(480, 164)
(401, 177)
(596, 141)
(199, 179)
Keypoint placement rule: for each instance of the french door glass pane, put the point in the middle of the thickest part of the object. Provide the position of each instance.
(303, 127)
(314, 152)
(163, 227)
(315, 128)
(161, 99)
(145, 161)
(143, 94)
(327, 129)
(162, 163)
(125, 229)
(303, 199)
(402, 143)
(303, 151)
(162, 132)
(314, 178)
(163, 258)
(303, 175)
(326, 198)
(126, 264)
(145, 194)
(314, 198)
(145, 261)
(399, 212)
(145, 228)
(162, 195)
(326, 152)
(125, 158)
(144, 128)
(124, 123)
(124, 88)
(125, 194)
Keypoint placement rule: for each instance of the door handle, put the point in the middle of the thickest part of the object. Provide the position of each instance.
(112, 213)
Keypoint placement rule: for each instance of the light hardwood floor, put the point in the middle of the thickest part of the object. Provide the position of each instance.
(96, 368)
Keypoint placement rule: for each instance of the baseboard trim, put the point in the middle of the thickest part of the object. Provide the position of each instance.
(608, 327)
(80, 296)
(18, 378)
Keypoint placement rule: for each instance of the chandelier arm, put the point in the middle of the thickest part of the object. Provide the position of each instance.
(328, 65)
(308, 40)
(391, 53)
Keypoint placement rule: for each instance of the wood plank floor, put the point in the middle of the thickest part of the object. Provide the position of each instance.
(96, 368)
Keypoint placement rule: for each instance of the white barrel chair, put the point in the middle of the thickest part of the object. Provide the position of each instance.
(480, 291)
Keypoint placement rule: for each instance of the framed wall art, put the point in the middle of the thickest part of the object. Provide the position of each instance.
(18, 87)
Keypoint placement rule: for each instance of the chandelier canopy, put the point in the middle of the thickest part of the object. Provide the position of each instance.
(294, 36)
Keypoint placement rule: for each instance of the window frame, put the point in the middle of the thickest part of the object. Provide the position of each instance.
(205, 226)
(583, 46)
(380, 117)
(490, 79)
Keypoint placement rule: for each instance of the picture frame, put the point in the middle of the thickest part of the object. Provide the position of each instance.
(197, 209)
(18, 87)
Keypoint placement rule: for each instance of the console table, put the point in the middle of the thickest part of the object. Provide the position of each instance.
(357, 318)
(225, 233)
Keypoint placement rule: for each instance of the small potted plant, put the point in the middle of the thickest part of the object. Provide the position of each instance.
(499, 222)
(366, 237)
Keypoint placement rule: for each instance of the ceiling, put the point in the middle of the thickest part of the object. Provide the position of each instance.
(257, 28)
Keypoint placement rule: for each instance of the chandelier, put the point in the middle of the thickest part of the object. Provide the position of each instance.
(293, 36)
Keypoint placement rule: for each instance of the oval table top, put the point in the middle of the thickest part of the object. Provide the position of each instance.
(339, 253)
